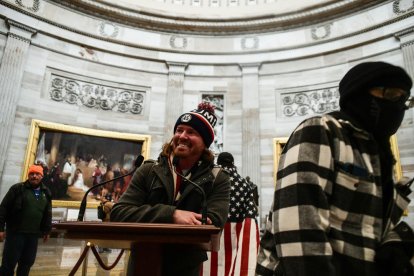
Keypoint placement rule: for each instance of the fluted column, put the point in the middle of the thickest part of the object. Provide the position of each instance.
(406, 38)
(11, 72)
(174, 100)
(406, 144)
(251, 122)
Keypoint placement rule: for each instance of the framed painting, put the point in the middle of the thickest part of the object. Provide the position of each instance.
(279, 143)
(76, 158)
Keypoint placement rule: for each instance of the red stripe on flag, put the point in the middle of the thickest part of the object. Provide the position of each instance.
(214, 264)
(227, 248)
(244, 266)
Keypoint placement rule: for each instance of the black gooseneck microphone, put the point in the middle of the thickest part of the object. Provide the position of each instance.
(82, 207)
(175, 161)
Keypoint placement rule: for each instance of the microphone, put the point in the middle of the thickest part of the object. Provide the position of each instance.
(82, 208)
(175, 161)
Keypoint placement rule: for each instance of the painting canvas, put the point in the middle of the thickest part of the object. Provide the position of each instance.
(75, 159)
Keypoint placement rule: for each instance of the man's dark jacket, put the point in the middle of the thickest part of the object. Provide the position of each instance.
(12, 206)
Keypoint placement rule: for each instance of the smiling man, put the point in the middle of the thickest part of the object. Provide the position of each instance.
(26, 213)
(164, 191)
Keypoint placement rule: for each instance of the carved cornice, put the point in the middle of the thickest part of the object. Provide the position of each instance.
(405, 32)
(249, 43)
(20, 31)
(176, 68)
(145, 19)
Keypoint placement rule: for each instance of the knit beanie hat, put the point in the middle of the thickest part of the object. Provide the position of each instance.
(367, 75)
(202, 120)
(225, 158)
(35, 169)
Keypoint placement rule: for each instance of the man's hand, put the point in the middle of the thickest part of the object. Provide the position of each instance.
(187, 217)
(2, 236)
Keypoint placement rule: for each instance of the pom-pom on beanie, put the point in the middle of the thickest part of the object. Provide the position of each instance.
(35, 169)
(367, 75)
(202, 120)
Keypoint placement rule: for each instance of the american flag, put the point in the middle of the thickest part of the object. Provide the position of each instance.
(239, 240)
(239, 243)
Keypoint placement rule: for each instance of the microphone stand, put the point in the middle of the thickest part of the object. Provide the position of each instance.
(82, 207)
(204, 202)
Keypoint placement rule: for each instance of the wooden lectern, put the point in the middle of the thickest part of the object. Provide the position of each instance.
(147, 238)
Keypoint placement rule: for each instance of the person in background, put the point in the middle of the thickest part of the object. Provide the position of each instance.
(52, 180)
(240, 238)
(67, 171)
(78, 180)
(25, 214)
(96, 176)
(161, 192)
(336, 208)
(242, 203)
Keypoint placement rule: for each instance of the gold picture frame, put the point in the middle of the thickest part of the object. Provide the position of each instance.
(49, 142)
(280, 142)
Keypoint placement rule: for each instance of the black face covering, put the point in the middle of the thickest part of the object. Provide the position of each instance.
(380, 117)
(387, 116)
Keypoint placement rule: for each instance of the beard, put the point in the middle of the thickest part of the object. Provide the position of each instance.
(35, 183)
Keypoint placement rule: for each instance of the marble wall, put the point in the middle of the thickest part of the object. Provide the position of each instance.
(269, 81)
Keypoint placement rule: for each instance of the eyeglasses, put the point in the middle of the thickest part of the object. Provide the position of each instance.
(390, 94)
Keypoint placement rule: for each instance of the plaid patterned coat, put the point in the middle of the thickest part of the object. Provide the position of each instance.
(327, 213)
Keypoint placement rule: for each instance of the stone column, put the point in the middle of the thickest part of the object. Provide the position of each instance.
(174, 100)
(251, 123)
(406, 38)
(406, 132)
(11, 72)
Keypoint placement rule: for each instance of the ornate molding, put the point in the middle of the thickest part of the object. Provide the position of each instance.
(167, 49)
(250, 43)
(313, 102)
(178, 42)
(20, 31)
(108, 29)
(404, 32)
(267, 22)
(176, 68)
(12, 23)
(33, 8)
(406, 37)
(96, 95)
(321, 32)
(402, 6)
